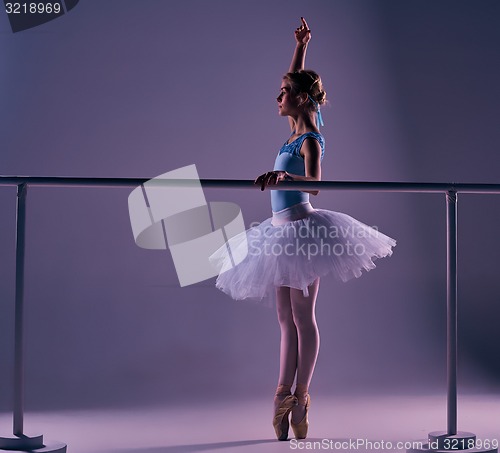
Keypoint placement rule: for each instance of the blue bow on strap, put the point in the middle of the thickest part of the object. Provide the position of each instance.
(318, 112)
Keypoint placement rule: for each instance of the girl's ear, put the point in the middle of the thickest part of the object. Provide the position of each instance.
(302, 98)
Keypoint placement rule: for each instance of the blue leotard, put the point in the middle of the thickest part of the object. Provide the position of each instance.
(290, 160)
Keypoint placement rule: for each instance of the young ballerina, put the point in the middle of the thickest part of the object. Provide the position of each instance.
(285, 256)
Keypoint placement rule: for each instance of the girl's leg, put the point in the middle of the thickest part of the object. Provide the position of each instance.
(288, 345)
(304, 316)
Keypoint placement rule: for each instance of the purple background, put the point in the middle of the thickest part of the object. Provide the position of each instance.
(124, 88)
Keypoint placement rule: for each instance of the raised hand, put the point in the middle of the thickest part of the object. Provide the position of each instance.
(303, 33)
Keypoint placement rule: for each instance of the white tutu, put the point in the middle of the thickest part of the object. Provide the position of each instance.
(293, 248)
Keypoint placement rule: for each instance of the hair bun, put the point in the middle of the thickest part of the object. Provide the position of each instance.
(321, 97)
(307, 81)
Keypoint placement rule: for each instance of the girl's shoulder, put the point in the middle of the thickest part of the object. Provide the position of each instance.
(316, 136)
(295, 145)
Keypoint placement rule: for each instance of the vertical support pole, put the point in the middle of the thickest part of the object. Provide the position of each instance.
(438, 441)
(20, 441)
(19, 311)
(451, 305)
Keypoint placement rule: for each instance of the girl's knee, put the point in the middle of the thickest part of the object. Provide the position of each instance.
(285, 317)
(305, 321)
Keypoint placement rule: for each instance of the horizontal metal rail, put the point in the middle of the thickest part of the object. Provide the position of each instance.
(419, 187)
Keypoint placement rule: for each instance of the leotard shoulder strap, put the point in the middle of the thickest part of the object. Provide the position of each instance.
(294, 147)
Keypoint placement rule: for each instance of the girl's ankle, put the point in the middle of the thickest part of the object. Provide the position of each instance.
(283, 390)
(301, 392)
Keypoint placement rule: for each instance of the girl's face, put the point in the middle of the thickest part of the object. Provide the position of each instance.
(287, 102)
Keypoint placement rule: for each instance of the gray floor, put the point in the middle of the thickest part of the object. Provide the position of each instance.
(247, 428)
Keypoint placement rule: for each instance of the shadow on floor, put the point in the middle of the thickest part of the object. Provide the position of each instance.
(196, 447)
(275, 446)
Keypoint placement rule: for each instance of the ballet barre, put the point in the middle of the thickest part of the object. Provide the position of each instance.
(437, 440)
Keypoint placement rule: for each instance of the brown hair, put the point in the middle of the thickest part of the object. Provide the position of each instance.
(307, 81)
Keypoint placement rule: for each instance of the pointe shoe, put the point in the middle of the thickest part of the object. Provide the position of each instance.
(300, 429)
(280, 420)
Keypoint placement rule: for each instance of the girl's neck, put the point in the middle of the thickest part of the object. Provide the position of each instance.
(304, 123)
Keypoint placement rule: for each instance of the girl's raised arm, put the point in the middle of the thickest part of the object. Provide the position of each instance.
(302, 38)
